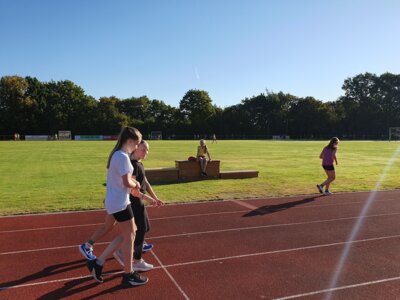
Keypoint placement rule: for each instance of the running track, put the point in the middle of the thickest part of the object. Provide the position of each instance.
(272, 248)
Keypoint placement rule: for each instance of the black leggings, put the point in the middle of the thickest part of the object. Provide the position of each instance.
(142, 224)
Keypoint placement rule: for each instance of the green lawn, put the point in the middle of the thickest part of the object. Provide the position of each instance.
(60, 176)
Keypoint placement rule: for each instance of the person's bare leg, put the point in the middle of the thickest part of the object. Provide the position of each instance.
(128, 229)
(114, 245)
(205, 165)
(104, 228)
(331, 177)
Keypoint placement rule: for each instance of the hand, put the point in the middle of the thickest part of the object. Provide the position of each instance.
(159, 202)
(136, 192)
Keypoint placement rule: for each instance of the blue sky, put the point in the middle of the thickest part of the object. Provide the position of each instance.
(232, 49)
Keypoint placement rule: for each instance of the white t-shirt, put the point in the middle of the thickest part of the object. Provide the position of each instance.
(117, 196)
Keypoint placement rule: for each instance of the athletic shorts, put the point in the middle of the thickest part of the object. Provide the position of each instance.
(124, 215)
(329, 168)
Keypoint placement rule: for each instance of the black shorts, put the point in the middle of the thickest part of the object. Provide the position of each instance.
(329, 168)
(124, 215)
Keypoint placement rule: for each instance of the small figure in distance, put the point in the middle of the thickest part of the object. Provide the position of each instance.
(214, 139)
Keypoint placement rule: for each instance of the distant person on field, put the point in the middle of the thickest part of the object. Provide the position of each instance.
(328, 156)
(202, 152)
(214, 139)
(117, 204)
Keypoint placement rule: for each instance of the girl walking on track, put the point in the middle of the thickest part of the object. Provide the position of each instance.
(117, 204)
(139, 210)
(328, 156)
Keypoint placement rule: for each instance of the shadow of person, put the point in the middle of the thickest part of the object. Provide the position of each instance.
(77, 286)
(46, 272)
(269, 209)
(114, 289)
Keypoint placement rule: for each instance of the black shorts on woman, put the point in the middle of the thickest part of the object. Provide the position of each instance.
(329, 168)
(124, 215)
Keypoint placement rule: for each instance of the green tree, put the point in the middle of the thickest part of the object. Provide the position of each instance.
(110, 120)
(16, 107)
(197, 108)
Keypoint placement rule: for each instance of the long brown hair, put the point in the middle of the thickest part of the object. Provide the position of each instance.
(333, 141)
(125, 134)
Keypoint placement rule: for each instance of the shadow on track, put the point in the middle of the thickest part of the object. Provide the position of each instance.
(46, 272)
(78, 286)
(269, 209)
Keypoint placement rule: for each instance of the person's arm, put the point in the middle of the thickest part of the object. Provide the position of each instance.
(150, 190)
(129, 182)
(208, 154)
(138, 194)
(334, 157)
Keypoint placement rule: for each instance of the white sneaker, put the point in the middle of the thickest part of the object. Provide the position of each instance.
(327, 193)
(118, 257)
(142, 266)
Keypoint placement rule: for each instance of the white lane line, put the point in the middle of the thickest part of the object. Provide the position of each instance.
(43, 282)
(339, 288)
(240, 202)
(282, 251)
(170, 276)
(213, 231)
(268, 226)
(151, 219)
(247, 205)
(238, 257)
(194, 203)
(50, 228)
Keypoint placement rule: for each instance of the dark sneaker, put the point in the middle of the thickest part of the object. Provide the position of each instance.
(134, 279)
(87, 251)
(95, 269)
(319, 187)
(147, 247)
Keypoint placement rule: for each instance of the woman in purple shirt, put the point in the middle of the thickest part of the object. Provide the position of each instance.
(328, 156)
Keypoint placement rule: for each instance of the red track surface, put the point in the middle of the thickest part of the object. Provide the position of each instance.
(254, 249)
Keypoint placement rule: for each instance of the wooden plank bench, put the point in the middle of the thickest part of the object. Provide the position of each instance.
(191, 169)
(162, 175)
(238, 174)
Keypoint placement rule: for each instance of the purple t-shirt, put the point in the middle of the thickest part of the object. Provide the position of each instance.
(327, 156)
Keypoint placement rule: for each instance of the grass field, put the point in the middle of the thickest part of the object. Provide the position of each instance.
(61, 176)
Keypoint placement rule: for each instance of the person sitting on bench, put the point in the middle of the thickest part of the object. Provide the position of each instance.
(202, 151)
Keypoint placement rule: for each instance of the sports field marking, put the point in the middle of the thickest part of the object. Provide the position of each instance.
(151, 219)
(243, 203)
(169, 275)
(212, 231)
(240, 202)
(243, 256)
(268, 226)
(282, 251)
(339, 288)
(44, 282)
(272, 198)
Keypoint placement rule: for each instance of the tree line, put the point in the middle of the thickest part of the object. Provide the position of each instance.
(369, 106)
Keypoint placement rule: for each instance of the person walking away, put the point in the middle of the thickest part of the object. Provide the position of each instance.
(328, 156)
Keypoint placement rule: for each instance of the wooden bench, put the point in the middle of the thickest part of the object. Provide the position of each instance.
(238, 174)
(191, 169)
(162, 175)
